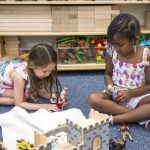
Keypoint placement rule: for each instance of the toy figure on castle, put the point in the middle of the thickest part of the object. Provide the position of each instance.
(124, 129)
(62, 100)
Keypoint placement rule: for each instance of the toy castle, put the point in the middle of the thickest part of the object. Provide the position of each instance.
(92, 134)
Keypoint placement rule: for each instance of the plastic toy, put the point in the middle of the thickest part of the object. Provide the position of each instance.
(116, 145)
(144, 40)
(72, 49)
(124, 129)
(53, 98)
(24, 56)
(63, 98)
(113, 90)
(100, 46)
(90, 134)
(62, 101)
(23, 145)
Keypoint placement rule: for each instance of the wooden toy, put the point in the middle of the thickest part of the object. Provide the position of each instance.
(91, 134)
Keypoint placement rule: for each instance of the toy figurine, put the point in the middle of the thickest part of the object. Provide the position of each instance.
(53, 98)
(63, 98)
(124, 129)
(116, 145)
(23, 145)
(113, 90)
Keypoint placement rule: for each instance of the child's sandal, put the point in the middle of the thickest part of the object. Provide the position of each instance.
(147, 125)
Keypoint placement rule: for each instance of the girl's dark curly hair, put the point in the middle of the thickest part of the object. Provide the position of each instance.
(126, 25)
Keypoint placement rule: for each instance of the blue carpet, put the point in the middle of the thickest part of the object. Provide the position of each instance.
(80, 85)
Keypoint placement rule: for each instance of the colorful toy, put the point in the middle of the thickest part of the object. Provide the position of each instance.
(100, 46)
(144, 40)
(23, 145)
(24, 56)
(53, 98)
(72, 49)
(113, 90)
(116, 145)
(90, 134)
(62, 100)
(124, 129)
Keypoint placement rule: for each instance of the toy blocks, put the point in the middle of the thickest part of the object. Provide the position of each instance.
(92, 134)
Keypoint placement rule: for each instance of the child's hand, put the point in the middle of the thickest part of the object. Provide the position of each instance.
(51, 107)
(123, 96)
(108, 90)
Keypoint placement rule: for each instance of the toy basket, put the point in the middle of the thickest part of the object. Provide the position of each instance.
(72, 50)
(100, 49)
(100, 54)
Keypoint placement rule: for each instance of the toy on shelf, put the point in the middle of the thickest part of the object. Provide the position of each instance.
(124, 129)
(144, 40)
(100, 47)
(72, 49)
(93, 133)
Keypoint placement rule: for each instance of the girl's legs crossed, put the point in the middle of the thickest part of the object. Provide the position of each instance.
(102, 102)
(140, 113)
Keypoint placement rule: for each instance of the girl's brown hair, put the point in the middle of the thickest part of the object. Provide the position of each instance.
(40, 56)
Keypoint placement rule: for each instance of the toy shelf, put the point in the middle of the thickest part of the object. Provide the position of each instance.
(143, 31)
(43, 10)
(85, 66)
(74, 2)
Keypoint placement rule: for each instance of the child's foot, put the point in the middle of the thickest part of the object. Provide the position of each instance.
(111, 120)
(147, 125)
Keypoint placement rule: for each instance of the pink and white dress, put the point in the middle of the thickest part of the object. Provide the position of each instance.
(6, 68)
(130, 76)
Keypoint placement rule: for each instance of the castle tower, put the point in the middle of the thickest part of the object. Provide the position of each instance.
(92, 134)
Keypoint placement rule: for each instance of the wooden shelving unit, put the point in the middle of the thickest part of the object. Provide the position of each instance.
(69, 67)
(143, 30)
(74, 2)
(86, 66)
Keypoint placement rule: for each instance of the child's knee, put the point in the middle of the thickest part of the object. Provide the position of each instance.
(92, 99)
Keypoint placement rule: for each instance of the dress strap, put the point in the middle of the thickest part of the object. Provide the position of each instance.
(145, 53)
(144, 57)
(114, 54)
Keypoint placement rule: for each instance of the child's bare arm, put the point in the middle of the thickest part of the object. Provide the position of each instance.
(19, 84)
(108, 71)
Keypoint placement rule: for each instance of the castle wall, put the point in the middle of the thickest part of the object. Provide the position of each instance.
(102, 132)
(74, 135)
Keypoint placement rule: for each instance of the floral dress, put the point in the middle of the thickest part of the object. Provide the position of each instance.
(6, 68)
(130, 76)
